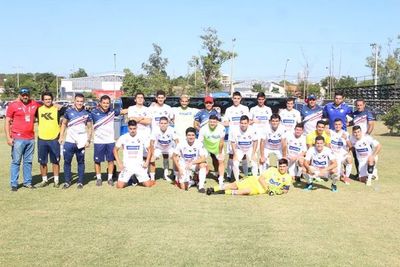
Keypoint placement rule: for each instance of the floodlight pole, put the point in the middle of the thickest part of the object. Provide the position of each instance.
(232, 62)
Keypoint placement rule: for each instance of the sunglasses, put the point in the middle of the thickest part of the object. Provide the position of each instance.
(209, 103)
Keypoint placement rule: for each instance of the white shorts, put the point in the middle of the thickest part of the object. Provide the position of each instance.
(316, 174)
(363, 167)
(268, 152)
(294, 168)
(158, 153)
(240, 155)
(187, 173)
(138, 171)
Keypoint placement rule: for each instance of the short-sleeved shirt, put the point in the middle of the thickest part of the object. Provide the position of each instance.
(165, 141)
(202, 116)
(189, 153)
(362, 118)
(157, 112)
(233, 114)
(339, 142)
(273, 138)
(23, 119)
(276, 180)
(261, 117)
(244, 140)
(289, 118)
(48, 122)
(103, 125)
(310, 139)
(212, 137)
(76, 126)
(296, 145)
(133, 149)
(310, 117)
(320, 159)
(332, 112)
(183, 119)
(143, 112)
(364, 147)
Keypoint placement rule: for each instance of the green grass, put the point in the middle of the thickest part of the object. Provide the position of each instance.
(164, 226)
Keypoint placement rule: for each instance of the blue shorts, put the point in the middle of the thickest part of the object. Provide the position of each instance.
(103, 152)
(48, 148)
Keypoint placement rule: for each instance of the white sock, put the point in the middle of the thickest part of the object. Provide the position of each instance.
(245, 167)
(348, 170)
(166, 172)
(56, 179)
(152, 176)
(44, 178)
(236, 170)
(230, 167)
(98, 176)
(221, 179)
(202, 177)
(254, 169)
(166, 164)
(110, 175)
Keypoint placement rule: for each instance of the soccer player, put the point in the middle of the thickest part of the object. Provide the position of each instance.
(290, 116)
(244, 148)
(20, 134)
(337, 109)
(367, 150)
(189, 158)
(141, 114)
(133, 146)
(48, 117)
(202, 117)
(159, 109)
(311, 113)
(296, 150)
(272, 181)
(183, 116)
(103, 126)
(318, 131)
(232, 120)
(212, 136)
(340, 144)
(260, 114)
(273, 141)
(78, 124)
(363, 117)
(320, 162)
(163, 142)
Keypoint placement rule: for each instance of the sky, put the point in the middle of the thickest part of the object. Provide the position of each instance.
(62, 36)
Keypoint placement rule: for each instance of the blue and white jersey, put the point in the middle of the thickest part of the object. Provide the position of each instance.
(310, 117)
(273, 138)
(332, 112)
(133, 149)
(164, 141)
(103, 125)
(233, 114)
(320, 159)
(364, 147)
(289, 118)
(157, 112)
(189, 153)
(260, 117)
(76, 126)
(244, 140)
(203, 115)
(362, 118)
(295, 145)
(339, 142)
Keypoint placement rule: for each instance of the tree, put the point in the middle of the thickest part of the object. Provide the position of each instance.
(346, 82)
(156, 64)
(133, 84)
(257, 87)
(79, 73)
(210, 63)
(392, 119)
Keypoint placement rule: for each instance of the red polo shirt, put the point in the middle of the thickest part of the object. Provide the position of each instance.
(23, 119)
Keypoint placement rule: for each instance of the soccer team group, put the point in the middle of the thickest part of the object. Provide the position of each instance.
(312, 144)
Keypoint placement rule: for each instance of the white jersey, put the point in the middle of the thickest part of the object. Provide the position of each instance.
(183, 119)
(244, 140)
(135, 111)
(189, 153)
(320, 159)
(157, 112)
(364, 147)
(289, 118)
(273, 139)
(339, 142)
(260, 116)
(133, 149)
(165, 141)
(295, 145)
(233, 114)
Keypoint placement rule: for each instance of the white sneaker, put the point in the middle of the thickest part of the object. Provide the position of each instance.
(368, 182)
(166, 178)
(221, 185)
(191, 183)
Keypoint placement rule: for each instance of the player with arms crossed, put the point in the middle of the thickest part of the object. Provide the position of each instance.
(159, 109)
(290, 116)
(260, 114)
(320, 162)
(163, 141)
(296, 150)
(272, 181)
(189, 158)
(133, 146)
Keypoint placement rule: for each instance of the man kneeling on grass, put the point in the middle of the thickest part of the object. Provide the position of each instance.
(273, 181)
(133, 146)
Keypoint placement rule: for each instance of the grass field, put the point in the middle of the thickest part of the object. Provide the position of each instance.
(164, 226)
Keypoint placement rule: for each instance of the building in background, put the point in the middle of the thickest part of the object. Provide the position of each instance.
(98, 85)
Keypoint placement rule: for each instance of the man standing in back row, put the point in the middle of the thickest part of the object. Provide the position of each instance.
(311, 113)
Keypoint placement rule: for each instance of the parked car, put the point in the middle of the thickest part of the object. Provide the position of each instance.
(89, 105)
